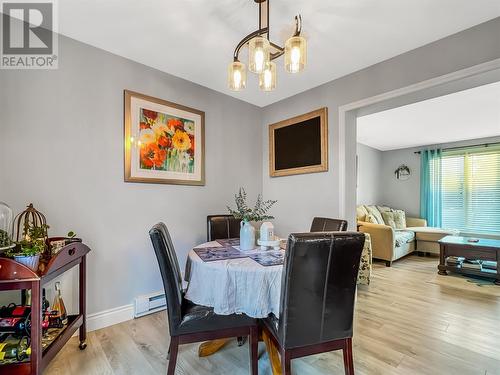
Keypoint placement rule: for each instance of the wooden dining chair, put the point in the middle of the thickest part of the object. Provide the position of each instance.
(188, 322)
(317, 297)
(325, 224)
(222, 227)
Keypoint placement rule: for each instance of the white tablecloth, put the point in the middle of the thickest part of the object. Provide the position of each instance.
(234, 286)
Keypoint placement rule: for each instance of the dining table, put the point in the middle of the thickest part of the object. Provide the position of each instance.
(231, 281)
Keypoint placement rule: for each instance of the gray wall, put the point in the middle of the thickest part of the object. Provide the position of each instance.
(61, 135)
(61, 148)
(369, 173)
(406, 194)
(318, 194)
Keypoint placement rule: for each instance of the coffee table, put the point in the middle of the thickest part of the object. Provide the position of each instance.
(469, 248)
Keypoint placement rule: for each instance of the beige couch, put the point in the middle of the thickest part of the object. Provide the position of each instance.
(388, 243)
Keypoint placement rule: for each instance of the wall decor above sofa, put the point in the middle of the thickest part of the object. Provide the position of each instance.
(402, 173)
(164, 141)
(299, 144)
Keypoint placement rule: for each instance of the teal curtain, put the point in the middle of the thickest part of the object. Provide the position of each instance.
(430, 187)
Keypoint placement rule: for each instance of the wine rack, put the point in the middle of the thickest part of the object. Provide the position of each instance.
(16, 276)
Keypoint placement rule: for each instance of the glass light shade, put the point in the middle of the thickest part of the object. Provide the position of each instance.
(258, 54)
(236, 76)
(295, 54)
(5, 225)
(267, 79)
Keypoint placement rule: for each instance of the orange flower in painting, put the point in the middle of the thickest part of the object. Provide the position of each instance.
(164, 141)
(144, 125)
(191, 149)
(152, 155)
(181, 141)
(175, 124)
(150, 114)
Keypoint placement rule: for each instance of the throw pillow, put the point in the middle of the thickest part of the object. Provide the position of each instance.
(383, 209)
(371, 219)
(372, 210)
(389, 218)
(400, 219)
(361, 213)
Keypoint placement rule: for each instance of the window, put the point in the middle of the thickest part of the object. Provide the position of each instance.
(471, 190)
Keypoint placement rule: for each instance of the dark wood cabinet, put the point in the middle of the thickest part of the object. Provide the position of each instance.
(15, 276)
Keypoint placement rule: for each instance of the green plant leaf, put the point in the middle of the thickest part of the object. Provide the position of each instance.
(244, 212)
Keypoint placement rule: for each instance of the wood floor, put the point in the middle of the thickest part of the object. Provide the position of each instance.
(409, 321)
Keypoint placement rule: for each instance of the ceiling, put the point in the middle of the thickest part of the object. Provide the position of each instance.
(195, 39)
(468, 114)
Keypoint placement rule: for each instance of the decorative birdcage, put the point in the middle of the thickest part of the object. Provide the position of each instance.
(30, 223)
(5, 226)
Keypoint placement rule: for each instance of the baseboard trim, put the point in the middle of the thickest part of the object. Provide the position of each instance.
(110, 317)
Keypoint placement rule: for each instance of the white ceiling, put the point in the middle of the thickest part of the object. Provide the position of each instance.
(468, 114)
(195, 39)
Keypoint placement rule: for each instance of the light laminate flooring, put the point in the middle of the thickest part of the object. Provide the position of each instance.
(408, 321)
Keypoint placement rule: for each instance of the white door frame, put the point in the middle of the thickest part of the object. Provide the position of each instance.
(347, 117)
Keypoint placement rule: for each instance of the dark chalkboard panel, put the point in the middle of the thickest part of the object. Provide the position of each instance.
(299, 145)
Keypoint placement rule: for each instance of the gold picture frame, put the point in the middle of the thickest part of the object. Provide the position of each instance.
(164, 142)
(310, 138)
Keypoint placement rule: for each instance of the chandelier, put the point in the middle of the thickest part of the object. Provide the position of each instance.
(262, 52)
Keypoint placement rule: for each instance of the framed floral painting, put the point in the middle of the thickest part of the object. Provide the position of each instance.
(164, 141)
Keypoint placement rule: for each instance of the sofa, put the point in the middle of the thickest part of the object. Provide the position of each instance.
(388, 243)
(428, 238)
(392, 239)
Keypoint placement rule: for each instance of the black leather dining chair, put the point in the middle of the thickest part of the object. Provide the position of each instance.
(325, 224)
(317, 296)
(187, 321)
(222, 227)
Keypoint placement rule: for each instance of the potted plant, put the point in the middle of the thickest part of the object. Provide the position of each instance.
(57, 243)
(247, 215)
(5, 242)
(71, 237)
(28, 250)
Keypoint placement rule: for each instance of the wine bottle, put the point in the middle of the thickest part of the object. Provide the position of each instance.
(19, 351)
(58, 305)
(16, 326)
(45, 303)
(28, 298)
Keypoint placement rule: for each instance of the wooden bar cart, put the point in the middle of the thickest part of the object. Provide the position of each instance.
(16, 276)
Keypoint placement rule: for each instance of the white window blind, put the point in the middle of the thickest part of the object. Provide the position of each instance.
(471, 190)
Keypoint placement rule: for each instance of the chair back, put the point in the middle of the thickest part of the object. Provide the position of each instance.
(170, 272)
(222, 227)
(318, 287)
(325, 224)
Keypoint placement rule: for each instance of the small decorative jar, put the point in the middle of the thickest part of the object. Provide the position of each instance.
(5, 226)
(267, 231)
